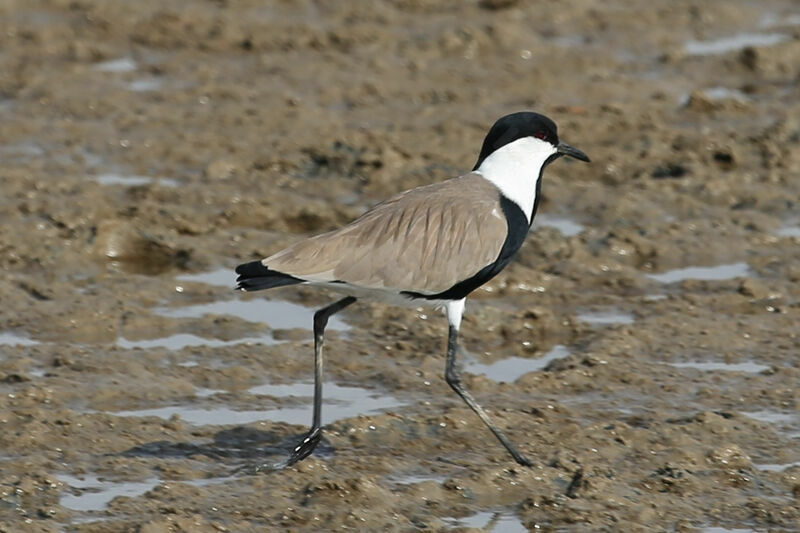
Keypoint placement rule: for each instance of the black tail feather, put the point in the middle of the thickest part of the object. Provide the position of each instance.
(254, 276)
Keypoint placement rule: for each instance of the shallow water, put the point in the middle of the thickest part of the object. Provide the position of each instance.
(275, 313)
(709, 366)
(716, 529)
(606, 318)
(146, 84)
(509, 369)
(8, 338)
(180, 341)
(767, 467)
(339, 402)
(133, 180)
(713, 273)
(95, 494)
(221, 277)
(565, 225)
(413, 479)
(494, 521)
(789, 231)
(718, 94)
(123, 64)
(735, 42)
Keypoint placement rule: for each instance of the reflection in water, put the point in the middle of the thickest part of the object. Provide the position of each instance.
(747, 366)
(339, 402)
(726, 530)
(124, 64)
(509, 369)
(494, 521)
(8, 338)
(773, 417)
(222, 277)
(95, 494)
(145, 84)
(789, 231)
(605, 318)
(277, 314)
(413, 479)
(185, 340)
(735, 42)
(566, 226)
(777, 467)
(714, 273)
(133, 180)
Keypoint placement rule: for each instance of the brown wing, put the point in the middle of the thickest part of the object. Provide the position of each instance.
(423, 240)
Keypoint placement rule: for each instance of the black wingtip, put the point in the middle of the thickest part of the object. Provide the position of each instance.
(254, 276)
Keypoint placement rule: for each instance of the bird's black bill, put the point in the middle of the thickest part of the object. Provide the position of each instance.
(565, 149)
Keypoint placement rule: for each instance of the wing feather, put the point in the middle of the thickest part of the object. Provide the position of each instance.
(424, 240)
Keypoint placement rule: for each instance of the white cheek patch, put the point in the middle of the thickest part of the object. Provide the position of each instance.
(515, 169)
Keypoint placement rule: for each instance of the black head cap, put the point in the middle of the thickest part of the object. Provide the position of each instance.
(517, 126)
(525, 124)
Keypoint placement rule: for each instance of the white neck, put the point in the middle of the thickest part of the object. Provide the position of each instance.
(515, 168)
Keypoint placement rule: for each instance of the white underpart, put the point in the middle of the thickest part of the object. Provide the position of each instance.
(454, 310)
(515, 169)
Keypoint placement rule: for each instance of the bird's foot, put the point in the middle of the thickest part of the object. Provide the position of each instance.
(302, 450)
(521, 459)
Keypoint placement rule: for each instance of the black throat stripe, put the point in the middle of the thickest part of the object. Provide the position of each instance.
(518, 227)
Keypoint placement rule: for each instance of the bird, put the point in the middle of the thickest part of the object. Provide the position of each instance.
(430, 246)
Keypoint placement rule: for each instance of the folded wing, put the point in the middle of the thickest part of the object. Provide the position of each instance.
(425, 240)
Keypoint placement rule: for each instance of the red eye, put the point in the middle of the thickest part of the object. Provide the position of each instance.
(540, 135)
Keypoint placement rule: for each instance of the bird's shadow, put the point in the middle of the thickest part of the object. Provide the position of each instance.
(242, 448)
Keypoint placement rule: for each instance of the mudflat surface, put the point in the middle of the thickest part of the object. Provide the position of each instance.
(642, 349)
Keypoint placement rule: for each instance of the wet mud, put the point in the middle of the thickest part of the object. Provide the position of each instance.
(642, 349)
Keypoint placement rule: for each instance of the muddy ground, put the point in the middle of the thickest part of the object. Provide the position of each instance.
(147, 148)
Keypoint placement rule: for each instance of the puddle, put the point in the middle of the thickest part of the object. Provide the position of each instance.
(786, 424)
(185, 340)
(789, 231)
(133, 180)
(203, 392)
(146, 84)
(275, 313)
(772, 20)
(498, 522)
(718, 94)
(8, 338)
(124, 64)
(735, 42)
(22, 149)
(413, 479)
(509, 369)
(776, 467)
(339, 402)
(714, 273)
(748, 366)
(566, 226)
(222, 277)
(606, 318)
(207, 481)
(95, 495)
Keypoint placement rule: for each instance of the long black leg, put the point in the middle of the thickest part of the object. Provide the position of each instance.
(312, 438)
(454, 380)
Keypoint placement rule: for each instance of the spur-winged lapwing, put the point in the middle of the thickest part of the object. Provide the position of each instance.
(429, 246)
